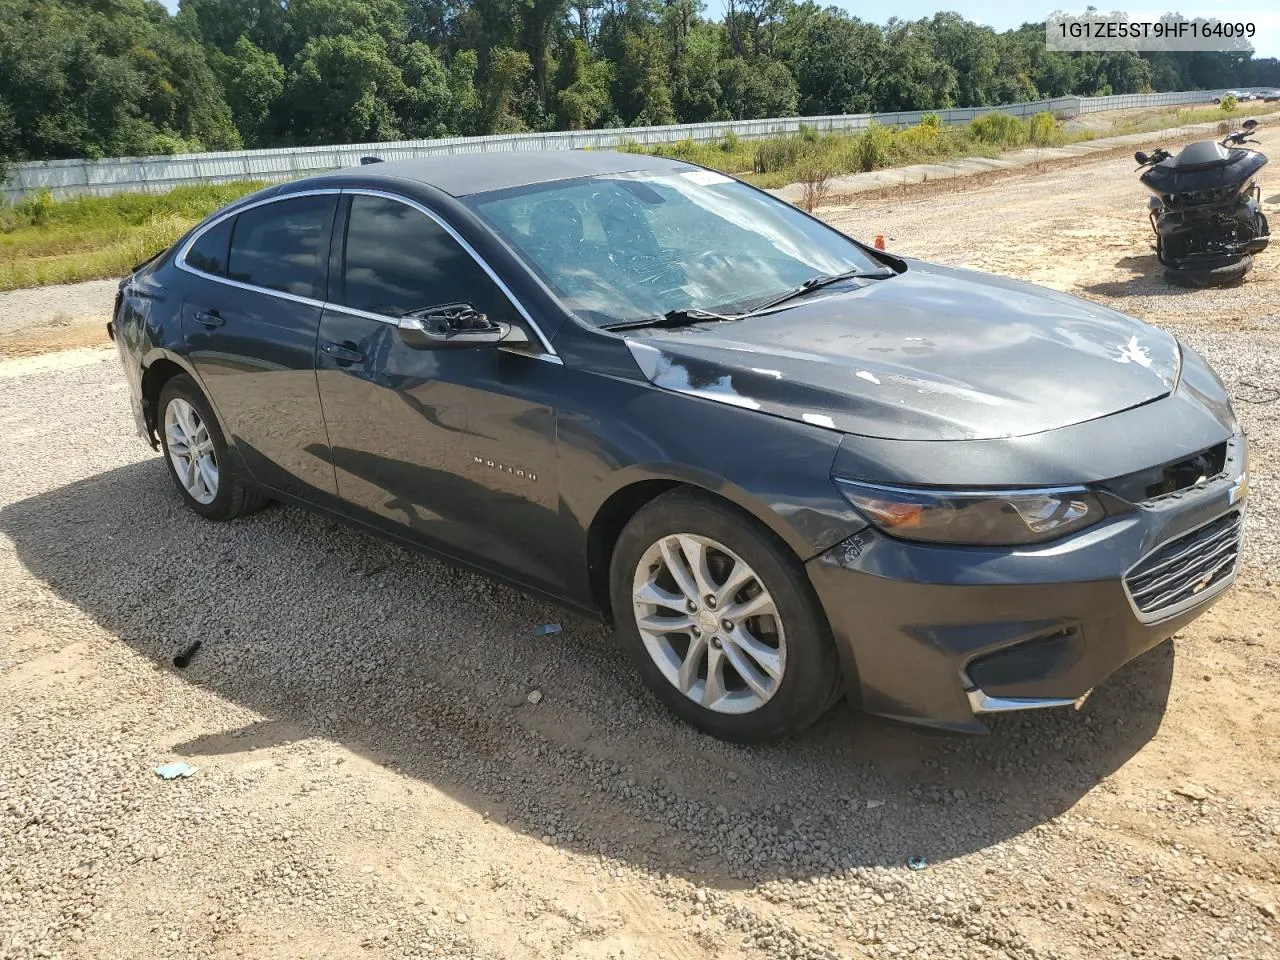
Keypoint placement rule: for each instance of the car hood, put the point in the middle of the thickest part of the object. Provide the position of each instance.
(934, 353)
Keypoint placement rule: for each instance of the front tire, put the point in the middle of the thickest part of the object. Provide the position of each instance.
(1216, 277)
(721, 621)
(195, 451)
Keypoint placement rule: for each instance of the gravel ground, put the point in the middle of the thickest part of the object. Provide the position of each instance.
(375, 778)
(48, 306)
(54, 318)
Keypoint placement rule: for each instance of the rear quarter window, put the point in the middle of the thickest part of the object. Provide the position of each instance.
(209, 253)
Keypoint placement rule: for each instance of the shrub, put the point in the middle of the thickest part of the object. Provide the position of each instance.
(729, 142)
(775, 155)
(871, 148)
(1229, 103)
(919, 142)
(683, 149)
(815, 184)
(1044, 130)
(1000, 129)
(808, 133)
(35, 208)
(931, 120)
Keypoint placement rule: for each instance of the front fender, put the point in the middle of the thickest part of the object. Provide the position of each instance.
(606, 444)
(807, 524)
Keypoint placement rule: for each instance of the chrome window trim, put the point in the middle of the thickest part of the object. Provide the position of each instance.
(180, 261)
(547, 354)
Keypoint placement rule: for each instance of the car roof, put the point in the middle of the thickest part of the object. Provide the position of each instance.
(464, 174)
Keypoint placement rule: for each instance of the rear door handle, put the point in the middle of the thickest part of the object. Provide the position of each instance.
(343, 353)
(210, 318)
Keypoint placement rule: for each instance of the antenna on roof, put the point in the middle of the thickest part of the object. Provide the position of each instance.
(365, 161)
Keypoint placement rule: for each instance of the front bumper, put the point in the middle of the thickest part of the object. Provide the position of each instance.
(937, 635)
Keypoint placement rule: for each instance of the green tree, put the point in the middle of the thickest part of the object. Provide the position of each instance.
(540, 24)
(754, 91)
(466, 108)
(339, 91)
(109, 78)
(506, 88)
(583, 85)
(87, 78)
(914, 78)
(252, 81)
(642, 86)
(838, 62)
(970, 50)
(424, 106)
(696, 94)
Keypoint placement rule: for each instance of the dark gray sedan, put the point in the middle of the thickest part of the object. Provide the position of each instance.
(786, 466)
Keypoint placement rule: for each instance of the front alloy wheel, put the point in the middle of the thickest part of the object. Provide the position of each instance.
(720, 619)
(709, 624)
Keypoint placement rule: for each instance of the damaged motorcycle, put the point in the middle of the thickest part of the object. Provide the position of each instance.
(1207, 212)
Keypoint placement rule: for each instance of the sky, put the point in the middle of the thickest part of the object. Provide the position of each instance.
(1006, 14)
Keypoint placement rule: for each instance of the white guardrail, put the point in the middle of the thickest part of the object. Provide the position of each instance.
(71, 178)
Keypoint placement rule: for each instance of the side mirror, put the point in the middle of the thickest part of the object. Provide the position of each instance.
(452, 326)
(1248, 125)
(1141, 157)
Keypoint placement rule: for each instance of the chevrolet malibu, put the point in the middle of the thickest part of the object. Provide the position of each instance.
(788, 467)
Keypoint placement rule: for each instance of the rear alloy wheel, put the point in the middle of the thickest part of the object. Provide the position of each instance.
(720, 619)
(196, 454)
(190, 450)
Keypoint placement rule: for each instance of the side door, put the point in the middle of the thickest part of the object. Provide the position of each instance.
(250, 325)
(452, 447)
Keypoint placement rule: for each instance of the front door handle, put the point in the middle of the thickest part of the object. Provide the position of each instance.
(210, 318)
(344, 353)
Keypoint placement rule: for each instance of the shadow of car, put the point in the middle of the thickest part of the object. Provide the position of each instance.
(328, 633)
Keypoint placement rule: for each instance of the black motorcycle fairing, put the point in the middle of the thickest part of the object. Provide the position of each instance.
(1169, 179)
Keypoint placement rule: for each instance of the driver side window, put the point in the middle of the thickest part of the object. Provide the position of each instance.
(399, 260)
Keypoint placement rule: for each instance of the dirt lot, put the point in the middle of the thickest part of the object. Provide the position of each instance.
(373, 780)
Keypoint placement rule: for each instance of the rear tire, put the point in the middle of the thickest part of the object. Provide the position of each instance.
(756, 661)
(1218, 276)
(195, 451)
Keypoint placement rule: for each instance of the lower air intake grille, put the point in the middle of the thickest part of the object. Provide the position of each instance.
(1183, 569)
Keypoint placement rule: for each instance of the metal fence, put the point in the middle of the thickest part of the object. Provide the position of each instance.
(69, 178)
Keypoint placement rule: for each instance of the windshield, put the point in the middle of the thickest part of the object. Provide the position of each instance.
(624, 247)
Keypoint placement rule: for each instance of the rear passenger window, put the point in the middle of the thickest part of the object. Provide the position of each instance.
(399, 260)
(284, 245)
(209, 252)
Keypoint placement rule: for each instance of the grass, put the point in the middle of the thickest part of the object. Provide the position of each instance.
(779, 161)
(1163, 121)
(43, 241)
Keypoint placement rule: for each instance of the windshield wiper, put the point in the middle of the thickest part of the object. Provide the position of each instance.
(682, 317)
(685, 317)
(818, 282)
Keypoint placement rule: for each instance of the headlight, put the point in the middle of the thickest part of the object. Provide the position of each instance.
(985, 518)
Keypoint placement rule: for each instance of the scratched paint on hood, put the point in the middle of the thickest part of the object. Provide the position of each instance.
(934, 353)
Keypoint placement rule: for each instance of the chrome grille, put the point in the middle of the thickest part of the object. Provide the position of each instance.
(1182, 571)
